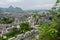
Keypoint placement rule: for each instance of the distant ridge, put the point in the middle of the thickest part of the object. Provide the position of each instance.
(11, 9)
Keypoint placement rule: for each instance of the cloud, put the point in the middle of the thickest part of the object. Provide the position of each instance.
(44, 6)
(28, 4)
(41, 6)
(11, 1)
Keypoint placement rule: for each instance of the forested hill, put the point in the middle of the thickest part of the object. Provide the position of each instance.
(11, 9)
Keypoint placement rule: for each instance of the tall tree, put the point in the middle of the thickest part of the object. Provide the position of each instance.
(56, 5)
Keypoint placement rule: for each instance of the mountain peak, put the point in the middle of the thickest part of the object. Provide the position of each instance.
(11, 6)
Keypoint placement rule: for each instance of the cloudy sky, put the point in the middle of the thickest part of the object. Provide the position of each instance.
(28, 4)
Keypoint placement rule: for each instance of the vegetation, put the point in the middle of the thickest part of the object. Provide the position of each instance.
(11, 9)
(35, 18)
(47, 31)
(51, 31)
(6, 20)
(24, 27)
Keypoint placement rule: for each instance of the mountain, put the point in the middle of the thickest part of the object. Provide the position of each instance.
(11, 9)
(1, 10)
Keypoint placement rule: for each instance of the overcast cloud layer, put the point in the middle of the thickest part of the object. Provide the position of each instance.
(28, 4)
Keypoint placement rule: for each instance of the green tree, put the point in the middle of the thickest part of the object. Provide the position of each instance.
(51, 31)
(24, 27)
(6, 20)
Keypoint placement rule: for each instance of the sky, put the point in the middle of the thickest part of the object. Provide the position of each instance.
(28, 4)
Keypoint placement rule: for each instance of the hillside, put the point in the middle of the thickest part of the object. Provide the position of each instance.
(11, 9)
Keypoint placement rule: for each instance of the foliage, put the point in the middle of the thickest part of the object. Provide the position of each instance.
(6, 20)
(47, 30)
(52, 30)
(35, 18)
(24, 27)
(13, 32)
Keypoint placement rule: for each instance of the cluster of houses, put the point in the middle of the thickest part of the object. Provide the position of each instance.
(4, 28)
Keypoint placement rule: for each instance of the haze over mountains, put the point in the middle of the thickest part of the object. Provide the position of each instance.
(20, 10)
(11, 9)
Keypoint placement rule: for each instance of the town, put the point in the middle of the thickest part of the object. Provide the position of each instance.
(30, 20)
